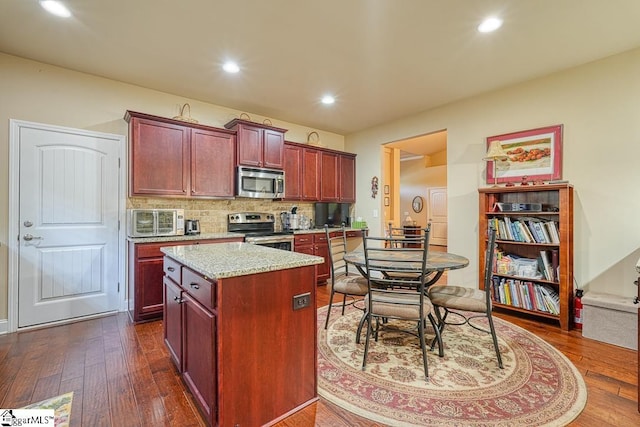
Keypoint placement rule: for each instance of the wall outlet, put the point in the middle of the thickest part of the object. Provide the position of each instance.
(301, 301)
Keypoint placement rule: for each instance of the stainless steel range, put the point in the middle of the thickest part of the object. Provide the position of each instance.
(259, 229)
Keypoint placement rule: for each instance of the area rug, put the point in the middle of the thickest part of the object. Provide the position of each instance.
(61, 406)
(538, 386)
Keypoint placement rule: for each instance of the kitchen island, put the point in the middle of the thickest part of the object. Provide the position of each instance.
(240, 324)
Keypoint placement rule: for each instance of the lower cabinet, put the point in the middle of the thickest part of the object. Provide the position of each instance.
(238, 342)
(198, 344)
(145, 276)
(315, 244)
(189, 333)
(173, 321)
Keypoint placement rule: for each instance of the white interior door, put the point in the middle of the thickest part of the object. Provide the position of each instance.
(68, 224)
(438, 215)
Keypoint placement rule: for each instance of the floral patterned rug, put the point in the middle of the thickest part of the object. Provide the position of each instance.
(538, 386)
(61, 406)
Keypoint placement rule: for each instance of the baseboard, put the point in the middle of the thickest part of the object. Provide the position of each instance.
(4, 326)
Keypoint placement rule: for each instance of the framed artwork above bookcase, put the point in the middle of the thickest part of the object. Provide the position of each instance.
(534, 270)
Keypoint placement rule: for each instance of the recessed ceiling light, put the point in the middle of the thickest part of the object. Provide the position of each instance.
(328, 100)
(231, 67)
(56, 8)
(490, 24)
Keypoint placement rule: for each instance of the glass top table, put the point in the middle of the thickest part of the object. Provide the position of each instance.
(437, 262)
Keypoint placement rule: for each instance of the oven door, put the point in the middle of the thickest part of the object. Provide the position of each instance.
(276, 242)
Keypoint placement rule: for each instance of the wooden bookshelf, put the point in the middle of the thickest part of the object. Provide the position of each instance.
(556, 202)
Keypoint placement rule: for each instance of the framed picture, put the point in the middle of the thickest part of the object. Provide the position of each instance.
(417, 204)
(535, 154)
(386, 201)
(386, 189)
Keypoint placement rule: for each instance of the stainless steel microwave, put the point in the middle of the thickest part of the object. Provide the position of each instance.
(155, 222)
(260, 183)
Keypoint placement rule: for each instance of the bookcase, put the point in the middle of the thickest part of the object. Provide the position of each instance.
(533, 272)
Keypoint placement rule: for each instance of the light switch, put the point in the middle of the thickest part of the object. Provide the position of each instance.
(375, 213)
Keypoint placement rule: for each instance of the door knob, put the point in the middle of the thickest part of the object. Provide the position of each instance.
(29, 237)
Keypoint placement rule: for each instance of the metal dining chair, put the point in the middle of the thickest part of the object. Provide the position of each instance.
(459, 300)
(392, 294)
(342, 280)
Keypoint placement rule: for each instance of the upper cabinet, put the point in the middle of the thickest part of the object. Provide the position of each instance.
(318, 174)
(347, 178)
(176, 159)
(258, 145)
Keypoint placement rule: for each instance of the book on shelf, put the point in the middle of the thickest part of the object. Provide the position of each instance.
(526, 294)
(553, 231)
(546, 262)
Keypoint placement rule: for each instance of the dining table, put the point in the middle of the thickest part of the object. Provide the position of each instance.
(437, 263)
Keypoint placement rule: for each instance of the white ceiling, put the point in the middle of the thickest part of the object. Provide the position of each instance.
(383, 59)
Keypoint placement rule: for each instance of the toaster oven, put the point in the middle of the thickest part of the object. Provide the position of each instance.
(155, 222)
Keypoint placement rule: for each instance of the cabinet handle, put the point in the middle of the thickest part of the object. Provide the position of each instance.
(194, 285)
(171, 269)
(178, 300)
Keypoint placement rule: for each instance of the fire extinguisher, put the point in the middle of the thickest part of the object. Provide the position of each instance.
(577, 309)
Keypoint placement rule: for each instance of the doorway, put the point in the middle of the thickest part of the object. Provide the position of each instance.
(416, 169)
(66, 205)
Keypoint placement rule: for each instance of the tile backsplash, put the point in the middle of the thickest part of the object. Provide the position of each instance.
(213, 213)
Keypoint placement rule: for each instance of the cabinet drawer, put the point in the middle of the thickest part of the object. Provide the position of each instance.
(320, 238)
(172, 269)
(354, 233)
(199, 288)
(303, 239)
(150, 250)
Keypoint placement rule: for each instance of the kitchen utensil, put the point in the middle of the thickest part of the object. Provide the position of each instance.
(192, 226)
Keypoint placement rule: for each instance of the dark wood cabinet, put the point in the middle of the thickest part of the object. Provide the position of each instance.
(173, 320)
(329, 186)
(199, 364)
(145, 276)
(310, 175)
(212, 164)
(168, 158)
(293, 171)
(238, 374)
(258, 145)
(319, 175)
(190, 332)
(347, 178)
(315, 244)
(158, 158)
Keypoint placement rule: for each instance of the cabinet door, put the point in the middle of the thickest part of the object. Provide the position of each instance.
(173, 321)
(273, 149)
(148, 288)
(249, 145)
(310, 175)
(159, 158)
(293, 172)
(347, 179)
(323, 270)
(199, 363)
(212, 164)
(329, 180)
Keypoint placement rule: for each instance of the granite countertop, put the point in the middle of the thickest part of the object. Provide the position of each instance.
(220, 260)
(201, 236)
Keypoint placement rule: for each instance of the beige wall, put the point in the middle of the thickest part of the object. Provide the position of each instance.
(41, 93)
(599, 105)
(416, 179)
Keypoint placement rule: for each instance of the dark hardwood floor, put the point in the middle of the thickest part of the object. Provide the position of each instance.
(121, 375)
